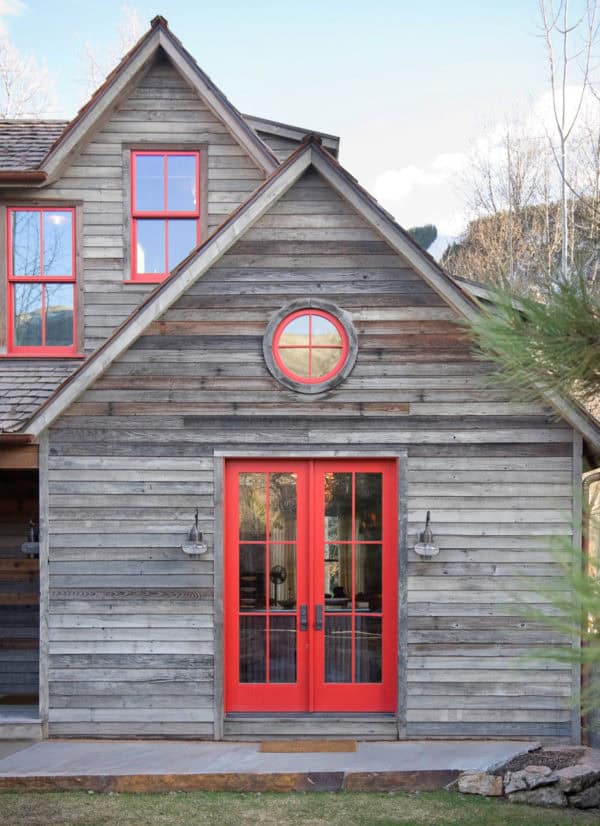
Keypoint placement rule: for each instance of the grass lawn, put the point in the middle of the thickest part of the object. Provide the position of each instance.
(224, 809)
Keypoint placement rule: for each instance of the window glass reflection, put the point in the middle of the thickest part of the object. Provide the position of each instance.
(151, 250)
(253, 506)
(28, 315)
(338, 506)
(182, 240)
(58, 243)
(181, 183)
(26, 242)
(149, 183)
(59, 315)
(368, 506)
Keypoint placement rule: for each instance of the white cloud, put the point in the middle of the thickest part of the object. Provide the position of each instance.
(397, 184)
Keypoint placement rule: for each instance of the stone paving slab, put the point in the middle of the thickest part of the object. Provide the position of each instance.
(168, 765)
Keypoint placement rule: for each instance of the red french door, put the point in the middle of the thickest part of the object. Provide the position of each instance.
(310, 585)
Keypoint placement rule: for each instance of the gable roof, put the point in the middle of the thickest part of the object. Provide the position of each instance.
(133, 64)
(309, 154)
(278, 129)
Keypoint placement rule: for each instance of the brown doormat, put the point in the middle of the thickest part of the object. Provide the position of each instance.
(298, 746)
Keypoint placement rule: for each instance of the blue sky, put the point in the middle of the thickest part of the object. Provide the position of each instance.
(405, 84)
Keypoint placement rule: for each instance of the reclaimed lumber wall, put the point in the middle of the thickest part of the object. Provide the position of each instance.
(131, 644)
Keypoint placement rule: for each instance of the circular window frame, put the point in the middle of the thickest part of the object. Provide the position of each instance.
(345, 327)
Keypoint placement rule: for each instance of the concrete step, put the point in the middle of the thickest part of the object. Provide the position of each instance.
(20, 723)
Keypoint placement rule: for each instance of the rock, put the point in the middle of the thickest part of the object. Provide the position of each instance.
(514, 782)
(575, 778)
(543, 796)
(529, 778)
(587, 799)
(480, 783)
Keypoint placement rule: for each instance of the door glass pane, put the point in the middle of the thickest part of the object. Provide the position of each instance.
(324, 333)
(150, 184)
(282, 649)
(367, 573)
(282, 577)
(324, 360)
(59, 315)
(28, 315)
(252, 577)
(338, 506)
(26, 242)
(151, 250)
(296, 361)
(181, 183)
(253, 649)
(338, 649)
(253, 506)
(368, 649)
(368, 506)
(338, 577)
(282, 507)
(58, 243)
(182, 240)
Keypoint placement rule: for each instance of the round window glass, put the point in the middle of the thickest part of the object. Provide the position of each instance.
(310, 346)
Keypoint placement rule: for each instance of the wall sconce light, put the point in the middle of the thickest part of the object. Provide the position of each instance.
(426, 546)
(194, 546)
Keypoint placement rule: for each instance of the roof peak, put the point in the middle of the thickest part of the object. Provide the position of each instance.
(159, 20)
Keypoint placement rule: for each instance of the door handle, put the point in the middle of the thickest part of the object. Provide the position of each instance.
(304, 617)
(318, 617)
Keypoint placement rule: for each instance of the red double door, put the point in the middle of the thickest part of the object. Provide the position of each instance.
(310, 585)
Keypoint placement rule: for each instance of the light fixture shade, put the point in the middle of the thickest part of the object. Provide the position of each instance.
(426, 546)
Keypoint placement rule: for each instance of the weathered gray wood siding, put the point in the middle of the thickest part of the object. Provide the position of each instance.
(282, 147)
(131, 618)
(19, 586)
(161, 111)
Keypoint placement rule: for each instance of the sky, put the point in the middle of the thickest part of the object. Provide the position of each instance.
(409, 86)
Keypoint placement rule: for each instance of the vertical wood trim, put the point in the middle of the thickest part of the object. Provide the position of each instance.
(203, 193)
(44, 697)
(126, 184)
(79, 276)
(3, 282)
(578, 560)
(402, 596)
(218, 615)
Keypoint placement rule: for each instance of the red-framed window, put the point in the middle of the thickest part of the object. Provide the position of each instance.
(310, 346)
(41, 318)
(165, 211)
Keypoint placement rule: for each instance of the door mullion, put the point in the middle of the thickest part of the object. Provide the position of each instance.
(310, 563)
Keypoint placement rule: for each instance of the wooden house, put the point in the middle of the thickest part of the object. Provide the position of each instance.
(233, 387)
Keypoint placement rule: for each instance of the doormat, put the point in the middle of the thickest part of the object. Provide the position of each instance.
(299, 746)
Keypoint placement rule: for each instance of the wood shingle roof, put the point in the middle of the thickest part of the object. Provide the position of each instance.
(25, 143)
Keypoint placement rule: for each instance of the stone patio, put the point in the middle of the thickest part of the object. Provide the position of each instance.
(120, 766)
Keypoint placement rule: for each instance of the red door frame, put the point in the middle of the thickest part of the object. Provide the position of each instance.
(311, 692)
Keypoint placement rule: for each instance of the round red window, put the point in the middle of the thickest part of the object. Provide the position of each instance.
(310, 346)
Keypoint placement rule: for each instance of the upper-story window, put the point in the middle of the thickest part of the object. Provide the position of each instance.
(165, 201)
(41, 281)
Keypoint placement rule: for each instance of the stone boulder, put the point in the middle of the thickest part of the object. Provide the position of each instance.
(573, 779)
(542, 796)
(587, 799)
(531, 777)
(481, 783)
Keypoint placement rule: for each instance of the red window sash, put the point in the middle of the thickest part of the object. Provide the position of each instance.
(42, 280)
(310, 346)
(165, 214)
